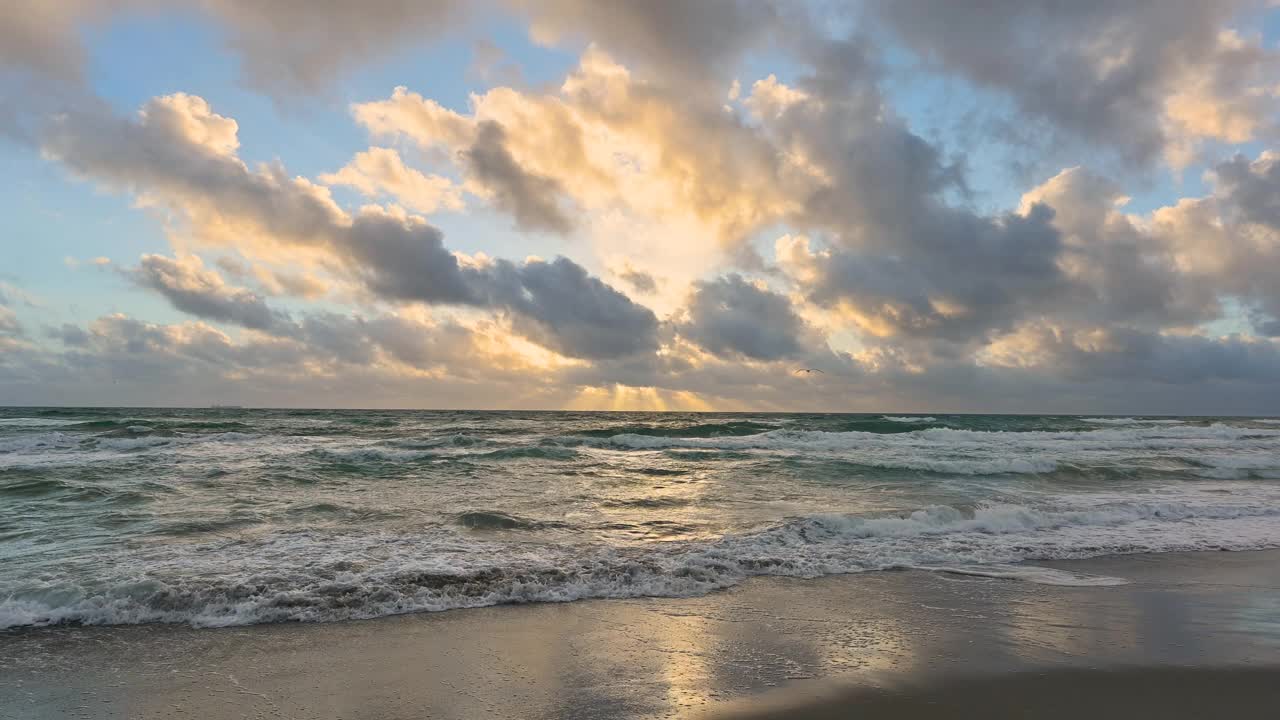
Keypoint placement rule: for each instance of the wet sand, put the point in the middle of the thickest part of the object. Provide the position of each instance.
(1189, 634)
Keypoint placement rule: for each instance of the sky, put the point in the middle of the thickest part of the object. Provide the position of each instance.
(869, 206)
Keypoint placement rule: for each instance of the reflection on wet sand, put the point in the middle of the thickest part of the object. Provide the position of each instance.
(657, 657)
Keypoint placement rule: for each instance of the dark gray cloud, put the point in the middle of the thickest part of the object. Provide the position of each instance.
(730, 316)
(1250, 192)
(903, 253)
(533, 200)
(909, 260)
(1120, 353)
(69, 335)
(287, 48)
(640, 281)
(1120, 271)
(405, 260)
(292, 48)
(1099, 69)
(42, 38)
(191, 289)
(1251, 189)
(684, 42)
(559, 305)
(960, 278)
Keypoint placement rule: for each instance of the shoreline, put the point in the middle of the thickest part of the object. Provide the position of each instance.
(667, 657)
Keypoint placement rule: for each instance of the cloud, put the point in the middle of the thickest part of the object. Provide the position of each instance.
(192, 289)
(292, 48)
(9, 324)
(605, 141)
(640, 281)
(1118, 270)
(730, 316)
(1228, 242)
(558, 305)
(287, 47)
(966, 277)
(664, 37)
(394, 256)
(12, 333)
(530, 198)
(890, 277)
(1140, 77)
(368, 360)
(1093, 354)
(274, 281)
(1252, 188)
(379, 172)
(69, 335)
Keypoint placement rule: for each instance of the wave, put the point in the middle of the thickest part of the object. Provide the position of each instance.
(649, 503)
(329, 577)
(34, 422)
(910, 418)
(495, 520)
(32, 485)
(40, 443)
(460, 440)
(697, 430)
(1132, 421)
(371, 454)
(534, 452)
(155, 424)
(977, 452)
(1264, 466)
(819, 439)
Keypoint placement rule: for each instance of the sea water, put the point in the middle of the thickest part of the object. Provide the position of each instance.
(224, 516)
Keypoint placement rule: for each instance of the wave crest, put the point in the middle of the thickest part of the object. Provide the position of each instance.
(351, 576)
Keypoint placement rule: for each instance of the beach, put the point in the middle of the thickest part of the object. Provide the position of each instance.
(1186, 633)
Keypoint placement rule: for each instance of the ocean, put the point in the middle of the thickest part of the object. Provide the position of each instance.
(221, 516)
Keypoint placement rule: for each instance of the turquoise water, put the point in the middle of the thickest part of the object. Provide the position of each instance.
(228, 516)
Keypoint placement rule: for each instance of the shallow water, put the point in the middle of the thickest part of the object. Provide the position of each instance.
(227, 516)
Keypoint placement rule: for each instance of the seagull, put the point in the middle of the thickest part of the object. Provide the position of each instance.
(808, 371)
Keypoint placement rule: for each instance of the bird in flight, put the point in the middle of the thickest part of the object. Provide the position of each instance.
(808, 371)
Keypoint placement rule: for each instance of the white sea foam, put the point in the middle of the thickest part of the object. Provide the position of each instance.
(972, 452)
(909, 418)
(1265, 465)
(1031, 573)
(316, 577)
(273, 525)
(41, 442)
(35, 422)
(1132, 421)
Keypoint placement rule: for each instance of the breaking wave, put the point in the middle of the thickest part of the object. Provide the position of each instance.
(231, 517)
(1224, 449)
(351, 576)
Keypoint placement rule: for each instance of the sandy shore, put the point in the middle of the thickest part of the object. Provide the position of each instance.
(890, 644)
